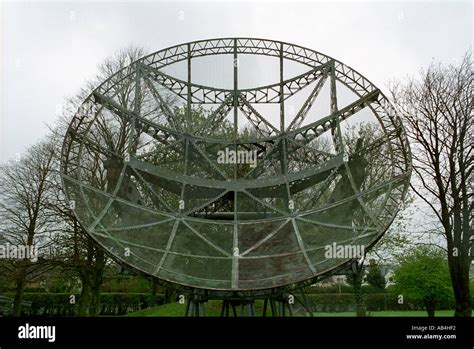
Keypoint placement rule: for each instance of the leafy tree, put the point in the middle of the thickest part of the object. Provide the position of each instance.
(374, 276)
(423, 274)
(354, 279)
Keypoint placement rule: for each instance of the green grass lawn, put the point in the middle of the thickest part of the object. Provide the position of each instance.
(394, 313)
(213, 309)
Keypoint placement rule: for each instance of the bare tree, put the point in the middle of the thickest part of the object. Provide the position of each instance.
(437, 108)
(26, 220)
(76, 250)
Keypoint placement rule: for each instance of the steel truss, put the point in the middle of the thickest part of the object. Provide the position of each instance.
(220, 209)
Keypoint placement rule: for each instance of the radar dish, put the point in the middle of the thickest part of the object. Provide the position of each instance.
(236, 164)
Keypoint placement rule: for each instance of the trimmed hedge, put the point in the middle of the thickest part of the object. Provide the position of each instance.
(126, 284)
(329, 289)
(123, 303)
(332, 302)
(342, 289)
(58, 304)
(338, 302)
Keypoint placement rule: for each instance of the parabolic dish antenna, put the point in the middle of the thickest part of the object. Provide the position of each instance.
(236, 164)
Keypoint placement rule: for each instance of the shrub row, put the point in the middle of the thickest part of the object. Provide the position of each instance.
(59, 304)
(374, 302)
(344, 289)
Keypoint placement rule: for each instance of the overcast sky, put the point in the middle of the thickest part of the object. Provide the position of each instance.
(49, 50)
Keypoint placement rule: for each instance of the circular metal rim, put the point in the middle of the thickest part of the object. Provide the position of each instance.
(355, 82)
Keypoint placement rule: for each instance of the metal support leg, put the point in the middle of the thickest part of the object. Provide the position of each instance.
(265, 304)
(273, 308)
(252, 308)
(307, 305)
(290, 309)
(188, 303)
(223, 308)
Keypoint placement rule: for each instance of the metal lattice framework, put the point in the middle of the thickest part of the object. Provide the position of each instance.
(140, 168)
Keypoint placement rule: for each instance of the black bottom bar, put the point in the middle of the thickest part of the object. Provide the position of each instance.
(329, 332)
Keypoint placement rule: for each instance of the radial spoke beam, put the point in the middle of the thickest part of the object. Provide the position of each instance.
(169, 115)
(216, 117)
(303, 112)
(309, 132)
(153, 129)
(260, 124)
